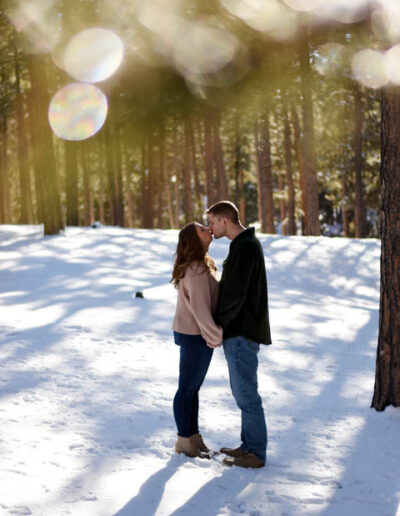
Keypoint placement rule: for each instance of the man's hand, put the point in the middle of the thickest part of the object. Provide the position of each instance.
(214, 345)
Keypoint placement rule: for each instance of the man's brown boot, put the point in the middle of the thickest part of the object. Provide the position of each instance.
(248, 460)
(187, 447)
(233, 452)
(197, 440)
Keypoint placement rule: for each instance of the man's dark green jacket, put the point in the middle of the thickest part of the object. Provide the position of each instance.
(242, 308)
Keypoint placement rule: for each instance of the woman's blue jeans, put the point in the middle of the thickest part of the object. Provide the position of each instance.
(195, 357)
(241, 355)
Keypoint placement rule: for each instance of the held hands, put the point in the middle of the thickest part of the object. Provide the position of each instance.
(214, 345)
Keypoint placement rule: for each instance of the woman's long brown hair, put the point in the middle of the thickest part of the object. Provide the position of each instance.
(189, 250)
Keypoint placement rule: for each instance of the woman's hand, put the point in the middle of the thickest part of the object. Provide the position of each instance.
(214, 345)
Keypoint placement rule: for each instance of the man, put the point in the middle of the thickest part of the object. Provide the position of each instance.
(242, 311)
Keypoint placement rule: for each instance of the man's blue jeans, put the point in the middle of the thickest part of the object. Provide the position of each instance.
(241, 355)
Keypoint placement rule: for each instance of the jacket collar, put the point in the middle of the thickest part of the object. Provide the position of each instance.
(244, 235)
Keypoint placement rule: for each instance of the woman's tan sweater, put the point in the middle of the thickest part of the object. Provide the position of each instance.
(197, 300)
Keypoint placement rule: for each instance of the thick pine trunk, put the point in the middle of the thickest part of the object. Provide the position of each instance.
(387, 378)
(165, 175)
(43, 150)
(223, 191)
(195, 167)
(5, 212)
(310, 162)
(264, 175)
(282, 207)
(300, 162)
(26, 212)
(71, 183)
(289, 174)
(345, 204)
(187, 198)
(87, 195)
(359, 208)
(211, 191)
(238, 167)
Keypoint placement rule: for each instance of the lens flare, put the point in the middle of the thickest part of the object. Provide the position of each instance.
(385, 21)
(93, 55)
(38, 24)
(77, 111)
(303, 5)
(329, 58)
(392, 64)
(343, 11)
(261, 15)
(204, 49)
(369, 68)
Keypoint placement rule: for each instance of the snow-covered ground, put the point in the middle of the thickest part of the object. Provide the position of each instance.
(88, 373)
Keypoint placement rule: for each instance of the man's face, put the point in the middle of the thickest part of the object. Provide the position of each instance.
(217, 225)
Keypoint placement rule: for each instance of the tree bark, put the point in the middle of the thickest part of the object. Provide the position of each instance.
(300, 163)
(26, 212)
(310, 162)
(165, 175)
(71, 183)
(359, 208)
(264, 175)
(195, 168)
(289, 173)
(87, 197)
(5, 212)
(211, 191)
(387, 377)
(282, 207)
(43, 150)
(239, 179)
(187, 198)
(223, 192)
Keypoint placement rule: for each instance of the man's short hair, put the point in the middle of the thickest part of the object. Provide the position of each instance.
(224, 209)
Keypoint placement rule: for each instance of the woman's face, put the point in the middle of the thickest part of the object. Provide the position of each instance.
(204, 234)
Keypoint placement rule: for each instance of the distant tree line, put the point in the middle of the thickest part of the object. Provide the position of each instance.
(296, 150)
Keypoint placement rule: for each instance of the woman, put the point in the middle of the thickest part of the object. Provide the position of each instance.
(194, 277)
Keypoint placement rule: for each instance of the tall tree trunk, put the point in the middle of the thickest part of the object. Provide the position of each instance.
(187, 198)
(289, 172)
(310, 162)
(239, 180)
(5, 212)
(43, 151)
(345, 204)
(219, 158)
(71, 183)
(195, 168)
(282, 207)
(264, 172)
(211, 191)
(150, 181)
(300, 162)
(175, 167)
(166, 177)
(387, 377)
(359, 208)
(261, 197)
(26, 213)
(101, 174)
(87, 197)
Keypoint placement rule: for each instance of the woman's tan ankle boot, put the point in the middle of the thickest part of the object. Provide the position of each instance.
(198, 441)
(186, 446)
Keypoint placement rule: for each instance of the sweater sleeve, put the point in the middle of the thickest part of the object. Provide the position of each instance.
(234, 289)
(199, 291)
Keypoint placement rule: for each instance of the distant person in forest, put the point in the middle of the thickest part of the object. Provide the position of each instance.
(194, 277)
(242, 311)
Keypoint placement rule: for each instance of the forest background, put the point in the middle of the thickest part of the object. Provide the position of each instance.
(259, 102)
